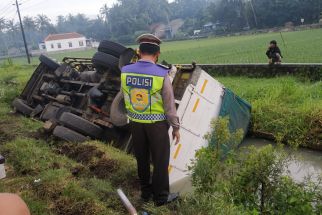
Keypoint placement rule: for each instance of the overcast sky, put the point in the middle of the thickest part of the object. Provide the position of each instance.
(52, 8)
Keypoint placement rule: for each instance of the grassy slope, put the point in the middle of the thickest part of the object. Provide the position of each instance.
(54, 177)
(68, 183)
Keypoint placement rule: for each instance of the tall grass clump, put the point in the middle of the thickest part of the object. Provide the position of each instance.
(289, 110)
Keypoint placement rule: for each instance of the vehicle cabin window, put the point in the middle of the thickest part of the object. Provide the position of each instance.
(59, 45)
(70, 44)
(81, 43)
(52, 46)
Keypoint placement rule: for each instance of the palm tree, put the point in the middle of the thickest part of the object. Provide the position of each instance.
(12, 27)
(104, 11)
(30, 29)
(29, 23)
(42, 22)
(2, 24)
(13, 31)
(4, 49)
(61, 24)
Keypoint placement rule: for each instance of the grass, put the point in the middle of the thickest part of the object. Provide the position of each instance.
(299, 46)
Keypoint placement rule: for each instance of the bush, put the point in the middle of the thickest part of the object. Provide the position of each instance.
(246, 181)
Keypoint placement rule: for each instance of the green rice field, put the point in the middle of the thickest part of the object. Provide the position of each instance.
(298, 47)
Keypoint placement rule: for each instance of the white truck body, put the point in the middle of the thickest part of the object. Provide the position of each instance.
(200, 104)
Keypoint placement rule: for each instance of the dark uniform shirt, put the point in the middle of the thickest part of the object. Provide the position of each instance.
(271, 52)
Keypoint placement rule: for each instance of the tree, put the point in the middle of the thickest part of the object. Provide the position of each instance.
(44, 24)
(129, 16)
(229, 13)
(3, 44)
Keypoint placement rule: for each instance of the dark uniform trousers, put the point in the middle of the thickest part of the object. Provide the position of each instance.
(152, 138)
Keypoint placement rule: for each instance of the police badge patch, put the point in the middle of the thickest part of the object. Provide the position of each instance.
(140, 99)
(139, 91)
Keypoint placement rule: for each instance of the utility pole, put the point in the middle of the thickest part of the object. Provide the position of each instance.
(23, 32)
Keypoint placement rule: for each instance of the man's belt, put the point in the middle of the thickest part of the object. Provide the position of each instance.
(147, 117)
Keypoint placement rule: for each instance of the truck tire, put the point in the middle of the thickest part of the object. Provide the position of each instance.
(21, 107)
(106, 61)
(80, 125)
(68, 134)
(126, 57)
(112, 48)
(118, 111)
(53, 112)
(53, 65)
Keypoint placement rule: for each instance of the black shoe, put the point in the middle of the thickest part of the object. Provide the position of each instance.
(171, 198)
(145, 197)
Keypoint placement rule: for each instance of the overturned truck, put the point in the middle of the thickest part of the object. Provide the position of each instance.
(79, 99)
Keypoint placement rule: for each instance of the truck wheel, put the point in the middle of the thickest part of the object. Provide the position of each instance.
(106, 61)
(68, 134)
(21, 106)
(49, 62)
(126, 57)
(112, 48)
(118, 111)
(80, 125)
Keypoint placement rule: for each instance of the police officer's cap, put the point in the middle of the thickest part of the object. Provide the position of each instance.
(149, 39)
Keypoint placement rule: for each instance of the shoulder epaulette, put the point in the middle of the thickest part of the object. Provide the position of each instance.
(163, 66)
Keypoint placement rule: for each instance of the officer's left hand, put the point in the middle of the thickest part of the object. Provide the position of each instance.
(176, 135)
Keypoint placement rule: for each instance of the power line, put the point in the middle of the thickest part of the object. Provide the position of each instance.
(35, 4)
(9, 12)
(23, 2)
(5, 8)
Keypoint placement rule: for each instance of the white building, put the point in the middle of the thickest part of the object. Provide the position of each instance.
(66, 41)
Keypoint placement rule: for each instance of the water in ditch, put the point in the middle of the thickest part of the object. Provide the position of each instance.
(305, 163)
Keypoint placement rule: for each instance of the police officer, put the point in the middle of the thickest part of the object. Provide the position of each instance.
(150, 104)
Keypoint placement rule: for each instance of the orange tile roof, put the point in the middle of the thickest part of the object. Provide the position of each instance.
(64, 36)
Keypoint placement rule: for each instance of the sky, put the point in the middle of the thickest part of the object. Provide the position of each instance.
(52, 8)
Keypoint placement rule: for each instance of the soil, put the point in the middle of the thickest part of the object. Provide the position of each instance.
(103, 168)
(80, 153)
(5, 132)
(67, 206)
(41, 134)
